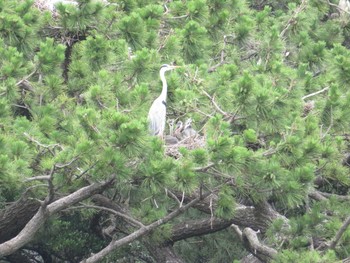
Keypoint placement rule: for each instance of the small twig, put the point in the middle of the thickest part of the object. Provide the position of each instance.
(211, 209)
(41, 144)
(182, 199)
(214, 103)
(25, 78)
(178, 17)
(20, 106)
(205, 168)
(172, 195)
(66, 164)
(222, 55)
(128, 218)
(315, 93)
(84, 172)
(155, 203)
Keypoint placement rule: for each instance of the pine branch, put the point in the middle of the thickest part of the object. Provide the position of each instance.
(254, 245)
(328, 195)
(46, 211)
(214, 103)
(128, 218)
(339, 233)
(222, 55)
(32, 139)
(115, 244)
(292, 20)
(192, 228)
(237, 231)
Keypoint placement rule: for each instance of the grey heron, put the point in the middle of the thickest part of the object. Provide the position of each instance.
(188, 131)
(157, 112)
(178, 130)
(171, 139)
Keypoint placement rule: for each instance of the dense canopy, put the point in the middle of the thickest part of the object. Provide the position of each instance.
(265, 176)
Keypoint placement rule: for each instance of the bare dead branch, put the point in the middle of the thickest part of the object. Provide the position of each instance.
(66, 164)
(32, 139)
(315, 93)
(173, 196)
(25, 78)
(214, 103)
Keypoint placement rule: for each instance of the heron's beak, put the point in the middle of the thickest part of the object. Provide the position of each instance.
(173, 67)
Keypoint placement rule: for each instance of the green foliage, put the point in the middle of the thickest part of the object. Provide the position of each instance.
(305, 257)
(265, 83)
(226, 203)
(193, 42)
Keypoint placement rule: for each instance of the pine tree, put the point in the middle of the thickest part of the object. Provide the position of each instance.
(265, 83)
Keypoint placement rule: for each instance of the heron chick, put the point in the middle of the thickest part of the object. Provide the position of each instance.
(188, 131)
(157, 112)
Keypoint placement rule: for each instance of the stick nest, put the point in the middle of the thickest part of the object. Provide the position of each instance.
(173, 150)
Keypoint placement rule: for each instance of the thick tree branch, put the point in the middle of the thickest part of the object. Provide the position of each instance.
(20, 212)
(139, 233)
(316, 195)
(319, 196)
(200, 227)
(161, 253)
(258, 217)
(45, 211)
(252, 242)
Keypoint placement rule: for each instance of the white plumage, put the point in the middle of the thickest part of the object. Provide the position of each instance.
(157, 112)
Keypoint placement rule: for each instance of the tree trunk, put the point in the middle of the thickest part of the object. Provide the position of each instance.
(16, 216)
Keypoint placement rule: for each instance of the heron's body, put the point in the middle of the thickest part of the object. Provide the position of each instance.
(188, 131)
(157, 116)
(178, 130)
(157, 112)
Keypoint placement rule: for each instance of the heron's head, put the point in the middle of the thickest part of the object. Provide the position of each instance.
(171, 122)
(188, 123)
(179, 125)
(167, 67)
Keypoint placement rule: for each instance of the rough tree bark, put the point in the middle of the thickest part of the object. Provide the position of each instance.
(16, 216)
(47, 210)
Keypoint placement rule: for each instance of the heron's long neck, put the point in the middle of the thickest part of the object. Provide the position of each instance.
(165, 87)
